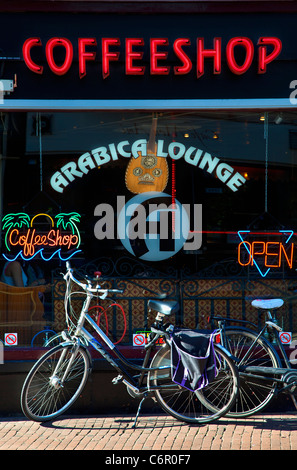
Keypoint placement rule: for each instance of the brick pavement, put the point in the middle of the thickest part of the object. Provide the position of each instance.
(153, 433)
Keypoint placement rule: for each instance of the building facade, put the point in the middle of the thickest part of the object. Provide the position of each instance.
(156, 143)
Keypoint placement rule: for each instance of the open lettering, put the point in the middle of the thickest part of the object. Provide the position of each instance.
(271, 253)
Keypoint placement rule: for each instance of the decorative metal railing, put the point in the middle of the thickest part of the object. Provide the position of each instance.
(221, 289)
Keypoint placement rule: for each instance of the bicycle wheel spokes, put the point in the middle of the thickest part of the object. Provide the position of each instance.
(219, 394)
(47, 392)
(255, 393)
(201, 406)
(182, 404)
(252, 395)
(240, 344)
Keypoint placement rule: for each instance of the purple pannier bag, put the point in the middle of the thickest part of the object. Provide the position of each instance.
(192, 358)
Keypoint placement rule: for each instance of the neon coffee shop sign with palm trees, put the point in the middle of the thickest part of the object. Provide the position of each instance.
(44, 235)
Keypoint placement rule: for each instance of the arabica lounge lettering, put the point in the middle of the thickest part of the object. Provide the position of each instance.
(175, 150)
(109, 51)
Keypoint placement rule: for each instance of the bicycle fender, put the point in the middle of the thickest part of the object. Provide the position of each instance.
(70, 344)
(222, 348)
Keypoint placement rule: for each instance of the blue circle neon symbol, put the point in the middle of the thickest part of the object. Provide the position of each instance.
(151, 228)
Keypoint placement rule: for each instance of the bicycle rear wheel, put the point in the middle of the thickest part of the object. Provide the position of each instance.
(254, 393)
(202, 406)
(54, 382)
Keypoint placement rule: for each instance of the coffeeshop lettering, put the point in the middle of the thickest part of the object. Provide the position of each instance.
(108, 51)
(31, 240)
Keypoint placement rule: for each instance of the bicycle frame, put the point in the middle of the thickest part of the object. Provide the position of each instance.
(254, 370)
(100, 310)
(125, 376)
(136, 384)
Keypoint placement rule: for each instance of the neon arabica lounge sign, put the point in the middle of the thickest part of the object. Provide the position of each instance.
(108, 50)
(175, 150)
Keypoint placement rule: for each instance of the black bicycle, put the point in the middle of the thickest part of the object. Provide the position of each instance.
(59, 376)
(264, 373)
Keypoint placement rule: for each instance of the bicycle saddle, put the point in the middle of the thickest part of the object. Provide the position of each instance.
(167, 307)
(267, 303)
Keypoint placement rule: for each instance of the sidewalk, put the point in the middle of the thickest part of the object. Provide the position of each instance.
(153, 433)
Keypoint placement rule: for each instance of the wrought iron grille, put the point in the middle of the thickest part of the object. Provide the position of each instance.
(220, 290)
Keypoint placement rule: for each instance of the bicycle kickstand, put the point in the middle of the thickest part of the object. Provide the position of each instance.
(138, 411)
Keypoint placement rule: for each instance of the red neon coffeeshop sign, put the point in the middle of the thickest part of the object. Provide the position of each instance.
(265, 51)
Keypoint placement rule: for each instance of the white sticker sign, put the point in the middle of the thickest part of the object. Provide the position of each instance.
(285, 337)
(139, 339)
(11, 339)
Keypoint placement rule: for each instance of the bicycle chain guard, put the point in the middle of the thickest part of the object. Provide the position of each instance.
(290, 378)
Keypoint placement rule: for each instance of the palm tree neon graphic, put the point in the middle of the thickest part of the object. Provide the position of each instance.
(14, 220)
(68, 220)
(28, 241)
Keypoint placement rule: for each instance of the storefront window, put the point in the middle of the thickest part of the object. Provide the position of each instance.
(71, 174)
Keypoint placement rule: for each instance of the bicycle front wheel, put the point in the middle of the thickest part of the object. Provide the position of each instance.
(255, 392)
(55, 382)
(202, 406)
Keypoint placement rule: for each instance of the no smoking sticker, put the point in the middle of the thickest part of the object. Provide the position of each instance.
(139, 339)
(285, 337)
(11, 339)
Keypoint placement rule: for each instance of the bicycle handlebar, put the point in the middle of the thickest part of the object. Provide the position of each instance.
(88, 287)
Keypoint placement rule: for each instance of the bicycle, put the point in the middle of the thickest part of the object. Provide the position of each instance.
(59, 376)
(48, 338)
(43, 337)
(98, 311)
(264, 373)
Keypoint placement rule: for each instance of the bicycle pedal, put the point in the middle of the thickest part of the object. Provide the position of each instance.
(117, 379)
